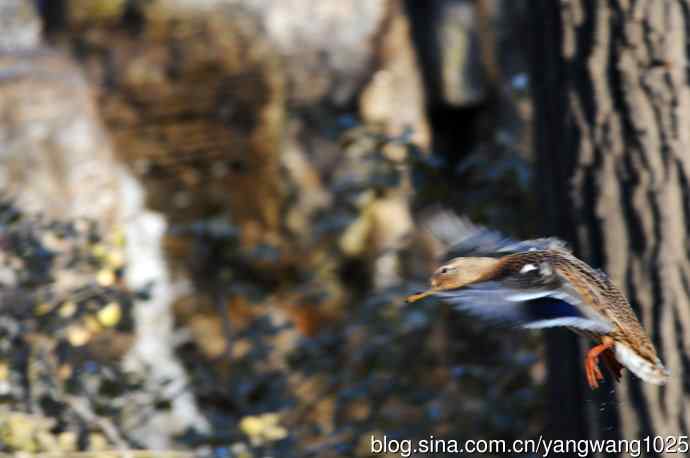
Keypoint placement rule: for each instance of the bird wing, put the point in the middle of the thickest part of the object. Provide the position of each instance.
(489, 243)
(464, 238)
(534, 297)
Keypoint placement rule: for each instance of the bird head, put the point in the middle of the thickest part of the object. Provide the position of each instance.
(457, 273)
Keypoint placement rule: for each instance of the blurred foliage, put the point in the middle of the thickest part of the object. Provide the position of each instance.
(65, 322)
(280, 376)
(276, 375)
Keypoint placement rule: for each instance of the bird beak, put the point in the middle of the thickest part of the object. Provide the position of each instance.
(419, 296)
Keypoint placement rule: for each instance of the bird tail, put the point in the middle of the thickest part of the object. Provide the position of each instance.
(651, 372)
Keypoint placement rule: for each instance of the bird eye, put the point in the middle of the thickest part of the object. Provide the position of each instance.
(444, 270)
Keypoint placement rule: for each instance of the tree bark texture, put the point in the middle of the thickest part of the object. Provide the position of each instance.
(612, 115)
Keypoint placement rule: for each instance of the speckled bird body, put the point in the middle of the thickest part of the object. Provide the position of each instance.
(538, 284)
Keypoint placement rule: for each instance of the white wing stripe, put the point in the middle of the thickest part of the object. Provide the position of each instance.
(579, 323)
(528, 268)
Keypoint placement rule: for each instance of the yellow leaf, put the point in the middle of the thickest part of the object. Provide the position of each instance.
(275, 433)
(251, 426)
(67, 309)
(92, 324)
(263, 428)
(118, 237)
(99, 250)
(110, 315)
(105, 277)
(116, 259)
(78, 335)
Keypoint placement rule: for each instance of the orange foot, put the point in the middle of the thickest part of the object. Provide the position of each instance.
(592, 362)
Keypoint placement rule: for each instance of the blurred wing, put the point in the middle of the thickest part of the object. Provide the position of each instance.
(533, 308)
(546, 243)
(468, 239)
(446, 226)
(489, 243)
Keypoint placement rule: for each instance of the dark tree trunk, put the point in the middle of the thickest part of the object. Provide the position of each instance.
(612, 112)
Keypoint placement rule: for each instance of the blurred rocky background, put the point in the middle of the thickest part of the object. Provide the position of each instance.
(211, 212)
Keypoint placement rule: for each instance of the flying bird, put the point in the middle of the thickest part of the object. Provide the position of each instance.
(539, 283)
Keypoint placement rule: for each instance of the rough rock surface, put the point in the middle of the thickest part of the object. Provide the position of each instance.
(56, 159)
